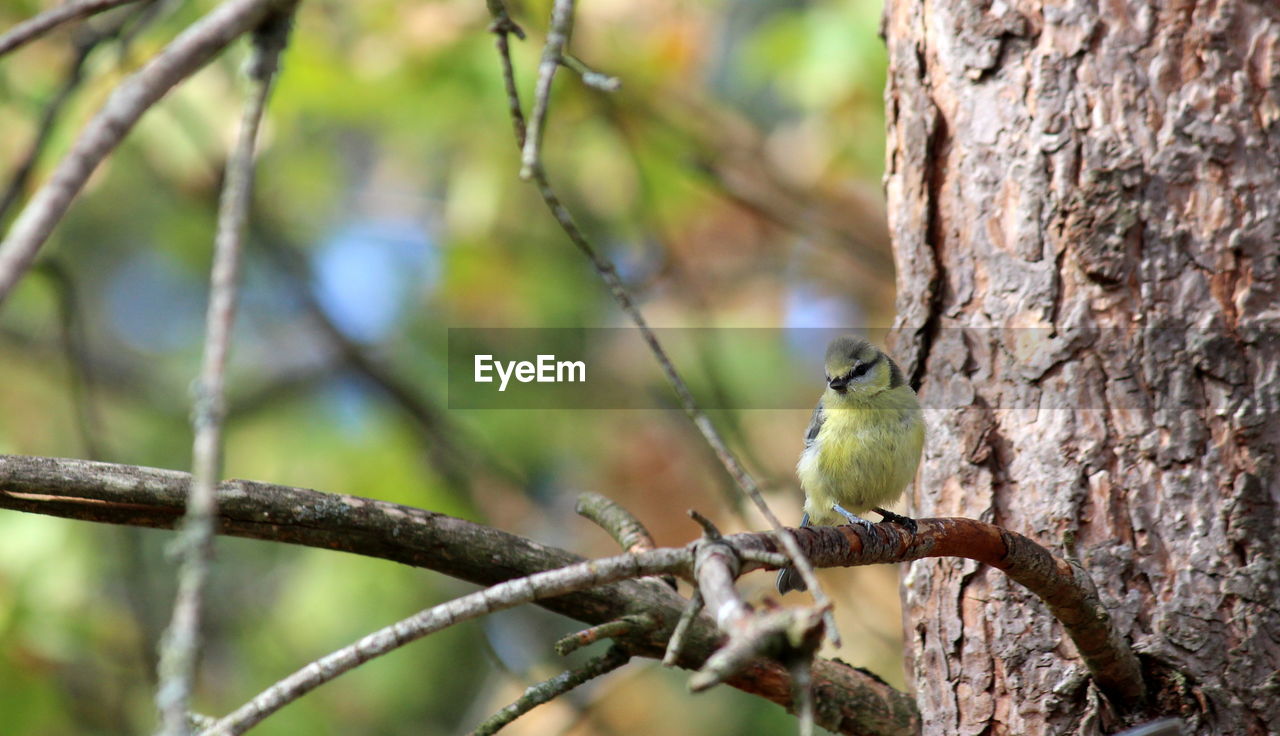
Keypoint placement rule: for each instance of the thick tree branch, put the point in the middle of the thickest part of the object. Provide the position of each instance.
(136, 496)
(850, 701)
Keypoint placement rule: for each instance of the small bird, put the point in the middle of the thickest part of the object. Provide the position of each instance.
(863, 443)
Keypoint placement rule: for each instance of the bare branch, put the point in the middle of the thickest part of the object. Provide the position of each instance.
(552, 57)
(611, 630)
(182, 639)
(850, 701)
(625, 528)
(801, 669)
(500, 597)
(591, 77)
(83, 45)
(33, 28)
(124, 494)
(780, 633)
(191, 50)
(1064, 586)
(502, 28)
(546, 691)
(675, 645)
(532, 168)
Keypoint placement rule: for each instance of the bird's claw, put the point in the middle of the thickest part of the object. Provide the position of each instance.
(888, 517)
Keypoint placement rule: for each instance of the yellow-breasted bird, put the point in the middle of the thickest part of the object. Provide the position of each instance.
(863, 444)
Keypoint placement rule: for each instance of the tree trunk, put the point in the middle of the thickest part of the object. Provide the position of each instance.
(1084, 199)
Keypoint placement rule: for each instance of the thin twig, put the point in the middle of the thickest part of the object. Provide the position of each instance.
(33, 28)
(182, 639)
(801, 669)
(591, 77)
(83, 44)
(499, 597)
(605, 269)
(608, 273)
(70, 320)
(611, 630)
(191, 50)
(772, 559)
(548, 690)
(675, 645)
(502, 28)
(552, 57)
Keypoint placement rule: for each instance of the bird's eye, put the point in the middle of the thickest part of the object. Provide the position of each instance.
(860, 370)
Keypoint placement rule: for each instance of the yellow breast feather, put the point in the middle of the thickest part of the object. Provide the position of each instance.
(861, 458)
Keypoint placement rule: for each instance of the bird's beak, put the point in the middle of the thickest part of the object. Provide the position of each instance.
(838, 384)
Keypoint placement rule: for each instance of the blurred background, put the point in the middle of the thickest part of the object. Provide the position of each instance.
(735, 180)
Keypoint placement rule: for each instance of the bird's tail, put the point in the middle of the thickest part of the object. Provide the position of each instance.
(789, 579)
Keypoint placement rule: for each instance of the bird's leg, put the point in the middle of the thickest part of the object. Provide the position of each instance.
(852, 517)
(889, 517)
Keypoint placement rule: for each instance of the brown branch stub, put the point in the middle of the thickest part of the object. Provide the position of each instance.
(620, 523)
(622, 627)
(709, 529)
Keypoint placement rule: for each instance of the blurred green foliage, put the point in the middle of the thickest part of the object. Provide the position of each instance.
(734, 178)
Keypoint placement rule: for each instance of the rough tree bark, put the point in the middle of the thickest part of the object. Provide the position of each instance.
(1084, 201)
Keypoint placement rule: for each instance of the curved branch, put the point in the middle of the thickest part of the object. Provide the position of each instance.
(1064, 586)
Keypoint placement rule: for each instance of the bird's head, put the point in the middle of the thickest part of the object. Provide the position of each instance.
(856, 368)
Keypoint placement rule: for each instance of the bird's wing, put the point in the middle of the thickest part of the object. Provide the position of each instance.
(815, 424)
